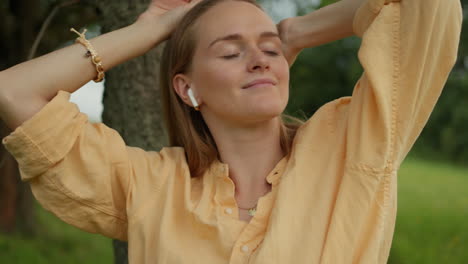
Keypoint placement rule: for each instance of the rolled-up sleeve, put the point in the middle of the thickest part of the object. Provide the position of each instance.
(80, 171)
(408, 50)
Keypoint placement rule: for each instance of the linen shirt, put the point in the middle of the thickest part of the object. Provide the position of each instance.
(333, 199)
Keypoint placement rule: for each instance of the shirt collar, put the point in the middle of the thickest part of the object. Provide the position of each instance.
(221, 170)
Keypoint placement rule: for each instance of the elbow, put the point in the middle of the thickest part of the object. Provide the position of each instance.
(15, 110)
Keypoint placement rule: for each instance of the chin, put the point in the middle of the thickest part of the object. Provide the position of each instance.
(264, 112)
(267, 105)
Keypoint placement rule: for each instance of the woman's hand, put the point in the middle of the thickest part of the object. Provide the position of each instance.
(290, 50)
(159, 7)
(167, 12)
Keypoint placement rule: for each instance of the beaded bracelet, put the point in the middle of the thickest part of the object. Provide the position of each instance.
(95, 58)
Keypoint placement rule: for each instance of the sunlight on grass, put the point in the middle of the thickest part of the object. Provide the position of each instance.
(432, 211)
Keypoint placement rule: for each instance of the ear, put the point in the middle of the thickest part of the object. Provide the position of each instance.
(181, 84)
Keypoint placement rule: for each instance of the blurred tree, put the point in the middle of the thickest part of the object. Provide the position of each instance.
(21, 22)
(132, 94)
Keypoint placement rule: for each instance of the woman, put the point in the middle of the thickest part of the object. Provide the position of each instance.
(238, 185)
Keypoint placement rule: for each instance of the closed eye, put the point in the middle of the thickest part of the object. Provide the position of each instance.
(271, 52)
(231, 56)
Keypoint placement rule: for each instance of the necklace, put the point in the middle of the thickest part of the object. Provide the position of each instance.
(250, 211)
(253, 210)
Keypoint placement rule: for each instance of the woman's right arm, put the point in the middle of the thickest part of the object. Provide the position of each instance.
(28, 87)
(79, 171)
(82, 172)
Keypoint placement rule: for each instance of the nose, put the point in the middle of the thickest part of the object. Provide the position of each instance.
(258, 62)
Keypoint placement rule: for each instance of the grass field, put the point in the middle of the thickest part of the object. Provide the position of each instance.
(432, 218)
(432, 225)
(56, 242)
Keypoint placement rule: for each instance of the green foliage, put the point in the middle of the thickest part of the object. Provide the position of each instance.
(323, 74)
(447, 129)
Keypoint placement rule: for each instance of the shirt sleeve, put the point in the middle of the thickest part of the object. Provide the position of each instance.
(408, 50)
(81, 172)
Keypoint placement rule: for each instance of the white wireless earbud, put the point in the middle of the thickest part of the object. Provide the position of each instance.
(192, 98)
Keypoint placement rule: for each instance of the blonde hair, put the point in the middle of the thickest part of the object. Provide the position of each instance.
(185, 126)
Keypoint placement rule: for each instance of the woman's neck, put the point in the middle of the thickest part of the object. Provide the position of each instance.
(251, 153)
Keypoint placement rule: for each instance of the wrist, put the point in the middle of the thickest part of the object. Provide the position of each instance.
(152, 29)
(296, 30)
(327, 24)
(151, 14)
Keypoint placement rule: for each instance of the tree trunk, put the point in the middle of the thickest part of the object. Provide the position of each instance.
(17, 28)
(132, 95)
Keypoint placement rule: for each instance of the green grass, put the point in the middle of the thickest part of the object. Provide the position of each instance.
(432, 225)
(432, 217)
(56, 242)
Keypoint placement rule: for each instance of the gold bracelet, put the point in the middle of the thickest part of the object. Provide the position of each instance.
(95, 58)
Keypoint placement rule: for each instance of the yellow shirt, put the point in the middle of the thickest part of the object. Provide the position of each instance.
(332, 201)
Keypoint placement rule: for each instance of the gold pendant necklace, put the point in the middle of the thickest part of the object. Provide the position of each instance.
(252, 211)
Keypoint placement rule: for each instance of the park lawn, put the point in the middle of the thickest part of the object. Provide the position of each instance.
(56, 242)
(432, 216)
(432, 225)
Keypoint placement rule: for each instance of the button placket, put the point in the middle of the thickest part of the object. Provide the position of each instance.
(224, 192)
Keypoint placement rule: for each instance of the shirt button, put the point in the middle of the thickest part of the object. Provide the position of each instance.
(228, 210)
(245, 248)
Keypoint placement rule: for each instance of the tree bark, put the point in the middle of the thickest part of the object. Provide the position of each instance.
(132, 95)
(17, 33)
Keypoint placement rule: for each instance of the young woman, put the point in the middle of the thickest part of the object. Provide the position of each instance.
(238, 185)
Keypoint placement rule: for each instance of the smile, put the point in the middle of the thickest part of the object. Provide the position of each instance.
(259, 83)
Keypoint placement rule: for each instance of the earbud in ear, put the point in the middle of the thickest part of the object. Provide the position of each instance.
(192, 98)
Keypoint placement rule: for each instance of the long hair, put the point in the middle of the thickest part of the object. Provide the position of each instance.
(185, 126)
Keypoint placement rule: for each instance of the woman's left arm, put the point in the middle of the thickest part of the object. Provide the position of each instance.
(408, 50)
(327, 24)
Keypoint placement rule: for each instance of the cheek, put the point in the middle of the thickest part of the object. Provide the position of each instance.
(282, 73)
(283, 70)
(216, 80)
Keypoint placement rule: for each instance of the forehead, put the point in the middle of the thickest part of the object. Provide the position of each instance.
(232, 17)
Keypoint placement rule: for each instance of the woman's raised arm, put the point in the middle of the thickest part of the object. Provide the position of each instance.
(407, 51)
(29, 86)
(327, 24)
(82, 172)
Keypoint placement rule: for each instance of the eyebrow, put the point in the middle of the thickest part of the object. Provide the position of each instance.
(267, 34)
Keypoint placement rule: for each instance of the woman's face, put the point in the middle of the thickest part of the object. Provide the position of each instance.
(239, 73)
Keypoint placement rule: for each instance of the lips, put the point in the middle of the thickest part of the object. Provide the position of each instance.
(259, 82)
